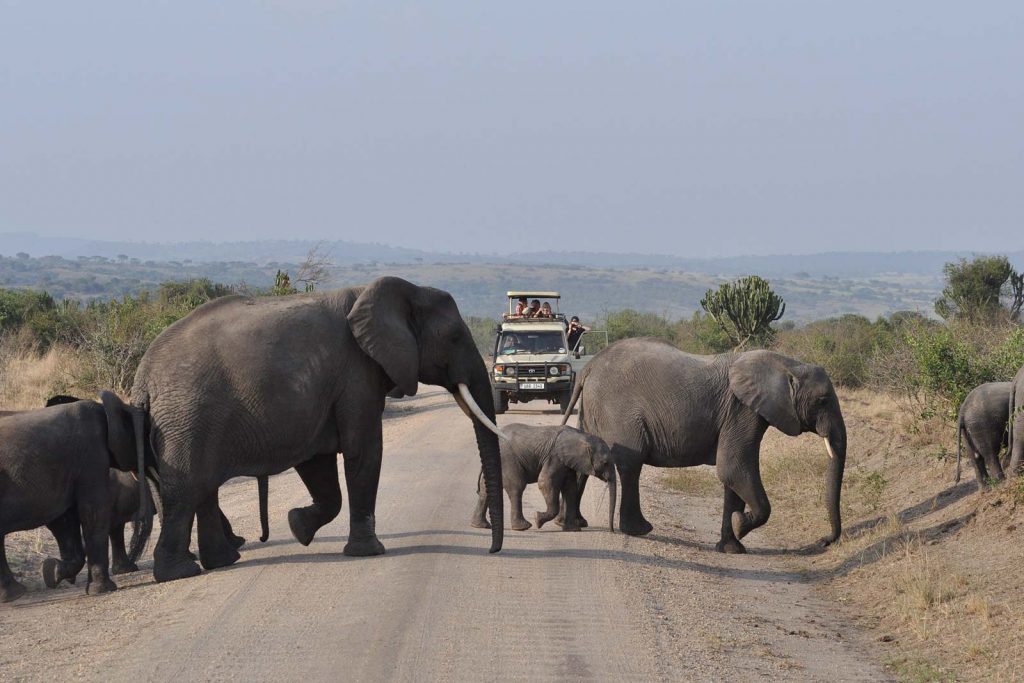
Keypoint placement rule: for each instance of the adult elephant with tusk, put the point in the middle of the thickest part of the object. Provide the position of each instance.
(657, 405)
(253, 386)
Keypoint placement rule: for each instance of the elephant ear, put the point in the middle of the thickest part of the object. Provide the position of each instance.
(762, 381)
(120, 432)
(382, 322)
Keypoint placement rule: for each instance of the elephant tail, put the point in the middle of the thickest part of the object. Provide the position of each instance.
(262, 484)
(142, 525)
(959, 443)
(576, 391)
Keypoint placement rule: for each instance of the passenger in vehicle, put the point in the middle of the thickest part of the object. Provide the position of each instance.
(534, 310)
(521, 307)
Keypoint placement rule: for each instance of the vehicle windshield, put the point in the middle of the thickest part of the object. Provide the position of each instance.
(531, 342)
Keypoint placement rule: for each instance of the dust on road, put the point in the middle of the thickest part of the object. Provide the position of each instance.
(550, 606)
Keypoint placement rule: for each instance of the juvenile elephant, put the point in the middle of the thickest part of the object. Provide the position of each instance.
(982, 423)
(656, 405)
(551, 457)
(54, 471)
(254, 386)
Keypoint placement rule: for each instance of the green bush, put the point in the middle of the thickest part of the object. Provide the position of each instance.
(629, 323)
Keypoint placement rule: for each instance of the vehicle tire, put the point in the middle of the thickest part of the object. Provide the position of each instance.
(563, 402)
(500, 401)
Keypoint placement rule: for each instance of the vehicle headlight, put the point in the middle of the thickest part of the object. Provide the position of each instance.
(554, 371)
(510, 370)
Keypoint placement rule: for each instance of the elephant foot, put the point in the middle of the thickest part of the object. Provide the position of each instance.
(560, 521)
(520, 525)
(572, 527)
(225, 556)
(236, 541)
(11, 591)
(104, 585)
(302, 529)
(479, 522)
(165, 569)
(635, 528)
(192, 556)
(363, 547)
(731, 547)
(125, 567)
(362, 539)
(53, 573)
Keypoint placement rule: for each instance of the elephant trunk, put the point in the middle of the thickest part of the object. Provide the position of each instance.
(612, 488)
(835, 443)
(479, 392)
(261, 483)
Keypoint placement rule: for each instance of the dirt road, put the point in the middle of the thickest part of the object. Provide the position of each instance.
(437, 606)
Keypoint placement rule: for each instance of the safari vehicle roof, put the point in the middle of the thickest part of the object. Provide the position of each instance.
(534, 325)
(533, 295)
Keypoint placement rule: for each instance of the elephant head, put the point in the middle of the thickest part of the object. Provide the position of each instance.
(589, 454)
(794, 398)
(416, 334)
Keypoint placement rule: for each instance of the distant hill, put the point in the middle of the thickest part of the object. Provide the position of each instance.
(832, 264)
(814, 286)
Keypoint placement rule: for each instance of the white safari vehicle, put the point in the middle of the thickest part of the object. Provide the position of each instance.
(532, 359)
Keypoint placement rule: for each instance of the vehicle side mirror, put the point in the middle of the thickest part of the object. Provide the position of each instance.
(576, 353)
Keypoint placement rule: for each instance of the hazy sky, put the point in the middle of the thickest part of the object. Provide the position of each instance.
(693, 128)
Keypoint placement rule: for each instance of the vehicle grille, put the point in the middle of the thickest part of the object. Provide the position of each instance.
(531, 371)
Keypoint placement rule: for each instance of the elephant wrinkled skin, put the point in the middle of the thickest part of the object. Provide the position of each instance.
(245, 386)
(982, 424)
(656, 405)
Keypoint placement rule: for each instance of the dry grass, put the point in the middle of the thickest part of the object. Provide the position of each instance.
(931, 565)
(697, 481)
(28, 378)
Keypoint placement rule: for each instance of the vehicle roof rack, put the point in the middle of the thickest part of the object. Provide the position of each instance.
(533, 295)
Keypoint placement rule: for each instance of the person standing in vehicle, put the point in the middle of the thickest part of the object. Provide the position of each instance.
(576, 331)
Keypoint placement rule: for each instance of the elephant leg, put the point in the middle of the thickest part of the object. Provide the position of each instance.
(1017, 445)
(94, 513)
(549, 489)
(631, 519)
(67, 532)
(171, 557)
(229, 533)
(980, 471)
(320, 475)
(515, 498)
(362, 475)
(479, 519)
(729, 543)
(119, 562)
(570, 494)
(10, 589)
(215, 548)
(581, 486)
(746, 482)
(991, 459)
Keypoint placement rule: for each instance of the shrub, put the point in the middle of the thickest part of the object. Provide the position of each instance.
(629, 323)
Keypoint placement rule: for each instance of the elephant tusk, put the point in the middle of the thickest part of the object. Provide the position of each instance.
(469, 406)
(828, 447)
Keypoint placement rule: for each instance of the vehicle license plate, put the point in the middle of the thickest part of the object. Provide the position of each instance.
(532, 385)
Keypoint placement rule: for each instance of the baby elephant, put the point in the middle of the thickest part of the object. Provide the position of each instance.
(982, 424)
(552, 457)
(54, 470)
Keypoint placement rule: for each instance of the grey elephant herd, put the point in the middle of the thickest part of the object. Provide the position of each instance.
(990, 420)
(255, 386)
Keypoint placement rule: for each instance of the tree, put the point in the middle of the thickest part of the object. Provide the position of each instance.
(282, 284)
(745, 310)
(314, 271)
(976, 290)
